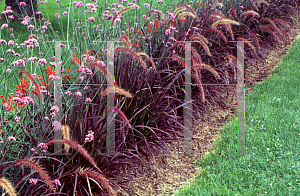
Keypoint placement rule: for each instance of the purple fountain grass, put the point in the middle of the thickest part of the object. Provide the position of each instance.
(30, 163)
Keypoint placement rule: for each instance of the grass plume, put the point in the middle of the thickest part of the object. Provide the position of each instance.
(98, 177)
(216, 15)
(265, 28)
(126, 39)
(202, 65)
(224, 21)
(247, 42)
(8, 186)
(232, 11)
(196, 55)
(270, 21)
(265, 2)
(258, 3)
(122, 114)
(117, 90)
(147, 57)
(254, 5)
(199, 37)
(30, 163)
(255, 39)
(66, 135)
(286, 34)
(283, 23)
(189, 9)
(93, 52)
(250, 12)
(199, 86)
(103, 70)
(219, 33)
(77, 147)
(184, 14)
(135, 55)
(118, 14)
(156, 12)
(178, 10)
(275, 29)
(178, 59)
(203, 42)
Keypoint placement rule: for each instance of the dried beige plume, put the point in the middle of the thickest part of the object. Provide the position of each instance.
(189, 9)
(250, 12)
(66, 135)
(184, 14)
(178, 10)
(8, 186)
(117, 90)
(224, 21)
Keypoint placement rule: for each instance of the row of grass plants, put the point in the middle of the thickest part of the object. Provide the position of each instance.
(149, 83)
(270, 165)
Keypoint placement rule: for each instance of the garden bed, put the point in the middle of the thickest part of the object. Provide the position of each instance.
(149, 84)
(172, 172)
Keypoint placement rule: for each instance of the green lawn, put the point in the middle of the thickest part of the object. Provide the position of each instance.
(272, 133)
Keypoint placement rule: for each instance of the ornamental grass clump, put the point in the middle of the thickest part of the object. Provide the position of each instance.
(77, 147)
(30, 163)
(147, 83)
